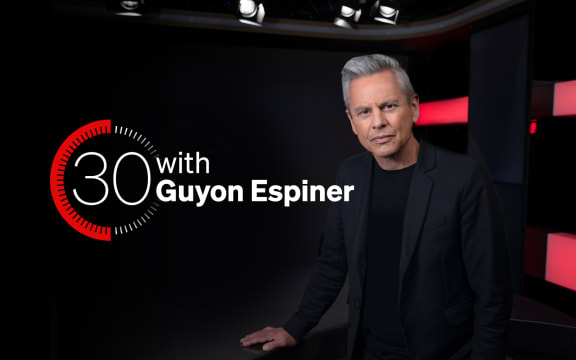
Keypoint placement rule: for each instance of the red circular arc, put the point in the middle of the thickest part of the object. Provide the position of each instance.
(57, 180)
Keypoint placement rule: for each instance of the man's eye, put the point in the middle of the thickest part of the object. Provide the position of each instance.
(389, 106)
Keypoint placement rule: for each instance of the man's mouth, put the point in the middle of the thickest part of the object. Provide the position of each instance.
(382, 139)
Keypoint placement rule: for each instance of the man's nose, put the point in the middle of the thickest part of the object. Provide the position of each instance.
(379, 119)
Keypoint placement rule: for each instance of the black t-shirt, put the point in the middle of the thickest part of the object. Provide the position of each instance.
(388, 204)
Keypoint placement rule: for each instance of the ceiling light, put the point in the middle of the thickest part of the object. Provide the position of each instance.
(250, 12)
(385, 11)
(130, 7)
(348, 15)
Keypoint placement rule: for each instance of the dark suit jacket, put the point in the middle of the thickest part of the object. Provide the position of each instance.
(454, 290)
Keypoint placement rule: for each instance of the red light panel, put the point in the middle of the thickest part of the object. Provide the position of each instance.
(561, 260)
(565, 98)
(444, 112)
(533, 125)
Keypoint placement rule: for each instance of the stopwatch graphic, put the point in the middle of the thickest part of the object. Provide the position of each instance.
(101, 179)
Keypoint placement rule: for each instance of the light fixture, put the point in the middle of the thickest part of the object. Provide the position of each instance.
(130, 7)
(348, 15)
(250, 12)
(385, 11)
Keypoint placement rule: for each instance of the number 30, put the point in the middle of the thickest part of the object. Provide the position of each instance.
(114, 177)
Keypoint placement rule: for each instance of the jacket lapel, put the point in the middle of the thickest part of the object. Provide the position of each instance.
(363, 209)
(417, 205)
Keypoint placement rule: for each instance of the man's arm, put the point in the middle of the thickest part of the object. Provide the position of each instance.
(327, 278)
(325, 283)
(485, 252)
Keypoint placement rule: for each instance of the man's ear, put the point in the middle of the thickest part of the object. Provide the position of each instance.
(351, 121)
(415, 105)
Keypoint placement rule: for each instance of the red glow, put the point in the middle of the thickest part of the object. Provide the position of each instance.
(561, 260)
(444, 112)
(565, 98)
(533, 126)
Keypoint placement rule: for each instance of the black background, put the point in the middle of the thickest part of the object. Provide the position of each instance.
(194, 280)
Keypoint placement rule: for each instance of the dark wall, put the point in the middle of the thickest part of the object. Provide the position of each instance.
(500, 83)
(257, 106)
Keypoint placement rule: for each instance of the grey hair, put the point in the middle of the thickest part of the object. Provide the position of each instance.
(367, 65)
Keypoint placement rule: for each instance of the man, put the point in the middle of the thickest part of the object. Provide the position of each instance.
(422, 239)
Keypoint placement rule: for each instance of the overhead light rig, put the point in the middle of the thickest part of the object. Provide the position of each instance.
(346, 13)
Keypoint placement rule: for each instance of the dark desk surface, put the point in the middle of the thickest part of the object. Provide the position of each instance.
(143, 322)
(537, 331)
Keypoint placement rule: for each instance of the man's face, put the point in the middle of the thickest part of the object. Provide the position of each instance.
(381, 115)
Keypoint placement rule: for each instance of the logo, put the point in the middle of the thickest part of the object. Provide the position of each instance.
(101, 180)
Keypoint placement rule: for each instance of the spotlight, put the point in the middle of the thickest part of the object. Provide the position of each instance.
(348, 15)
(130, 7)
(385, 11)
(250, 12)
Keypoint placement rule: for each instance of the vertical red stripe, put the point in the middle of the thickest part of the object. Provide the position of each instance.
(561, 260)
(533, 126)
(565, 98)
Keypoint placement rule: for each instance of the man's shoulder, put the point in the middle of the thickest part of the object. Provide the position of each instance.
(446, 155)
(453, 163)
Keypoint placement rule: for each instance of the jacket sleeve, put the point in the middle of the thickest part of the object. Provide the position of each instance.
(327, 278)
(484, 247)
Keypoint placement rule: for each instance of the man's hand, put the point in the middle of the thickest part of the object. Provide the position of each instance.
(272, 337)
